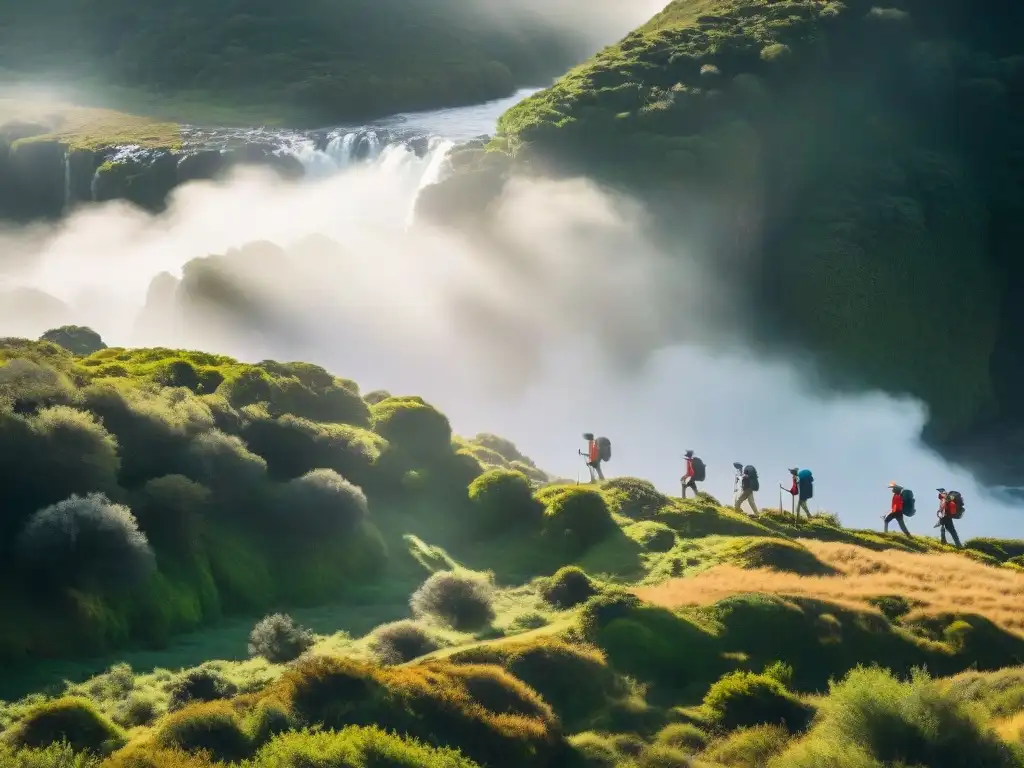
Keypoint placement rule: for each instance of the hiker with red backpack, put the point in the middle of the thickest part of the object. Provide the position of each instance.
(951, 507)
(695, 473)
(598, 450)
(902, 505)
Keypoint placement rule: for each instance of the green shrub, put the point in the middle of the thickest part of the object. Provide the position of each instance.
(269, 719)
(199, 685)
(137, 710)
(278, 639)
(750, 747)
(414, 427)
(893, 607)
(223, 463)
(70, 719)
(503, 499)
(652, 536)
(211, 727)
(171, 510)
(86, 542)
(463, 602)
(76, 339)
(872, 718)
(567, 588)
(319, 505)
(401, 641)
(576, 515)
(60, 755)
(376, 396)
(634, 498)
(26, 386)
(685, 737)
(605, 608)
(741, 699)
(355, 746)
(778, 555)
(663, 756)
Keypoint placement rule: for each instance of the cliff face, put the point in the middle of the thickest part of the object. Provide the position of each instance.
(860, 169)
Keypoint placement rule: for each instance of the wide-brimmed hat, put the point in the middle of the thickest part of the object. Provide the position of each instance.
(794, 470)
(689, 454)
(893, 484)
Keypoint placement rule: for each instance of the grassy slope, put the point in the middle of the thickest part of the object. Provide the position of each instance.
(80, 127)
(849, 152)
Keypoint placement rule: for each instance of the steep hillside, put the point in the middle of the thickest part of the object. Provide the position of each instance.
(316, 64)
(858, 168)
(592, 640)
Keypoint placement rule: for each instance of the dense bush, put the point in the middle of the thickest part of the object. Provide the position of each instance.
(652, 536)
(58, 755)
(567, 588)
(320, 504)
(461, 601)
(634, 498)
(413, 426)
(577, 516)
(74, 720)
(278, 639)
(170, 511)
(401, 641)
(224, 463)
(503, 499)
(199, 685)
(211, 726)
(742, 699)
(76, 339)
(684, 736)
(86, 542)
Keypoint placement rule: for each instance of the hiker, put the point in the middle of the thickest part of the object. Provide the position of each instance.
(951, 507)
(746, 477)
(598, 450)
(802, 490)
(695, 473)
(902, 505)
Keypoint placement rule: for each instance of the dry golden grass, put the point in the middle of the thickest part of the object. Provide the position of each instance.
(941, 582)
(1011, 728)
(88, 127)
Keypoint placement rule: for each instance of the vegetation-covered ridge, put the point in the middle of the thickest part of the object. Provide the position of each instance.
(848, 162)
(268, 63)
(570, 668)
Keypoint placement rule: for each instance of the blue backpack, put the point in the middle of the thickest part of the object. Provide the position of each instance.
(806, 482)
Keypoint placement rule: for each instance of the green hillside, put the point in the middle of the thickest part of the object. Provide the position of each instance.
(857, 168)
(313, 63)
(436, 601)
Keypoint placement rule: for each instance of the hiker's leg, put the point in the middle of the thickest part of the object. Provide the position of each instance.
(888, 519)
(952, 532)
(744, 495)
(597, 466)
(903, 525)
(942, 531)
(753, 504)
(804, 507)
(590, 468)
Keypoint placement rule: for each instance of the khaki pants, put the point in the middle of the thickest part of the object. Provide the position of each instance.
(746, 496)
(803, 505)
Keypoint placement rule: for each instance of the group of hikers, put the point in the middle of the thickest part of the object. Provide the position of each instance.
(801, 489)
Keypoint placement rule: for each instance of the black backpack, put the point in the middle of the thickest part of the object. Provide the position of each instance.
(699, 470)
(604, 447)
(750, 481)
(908, 502)
(958, 501)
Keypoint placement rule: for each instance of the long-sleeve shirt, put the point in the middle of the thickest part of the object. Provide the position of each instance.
(689, 469)
(593, 452)
(897, 504)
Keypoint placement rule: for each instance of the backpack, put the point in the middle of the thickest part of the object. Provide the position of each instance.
(750, 479)
(806, 483)
(604, 447)
(908, 502)
(958, 500)
(699, 470)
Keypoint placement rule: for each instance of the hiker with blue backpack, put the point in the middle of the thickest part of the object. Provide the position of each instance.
(902, 506)
(802, 490)
(694, 473)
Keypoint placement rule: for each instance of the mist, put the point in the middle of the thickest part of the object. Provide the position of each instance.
(555, 328)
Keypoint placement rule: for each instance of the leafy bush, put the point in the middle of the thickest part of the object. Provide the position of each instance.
(652, 536)
(86, 542)
(634, 498)
(210, 726)
(171, 510)
(504, 499)
(401, 641)
(873, 718)
(461, 601)
(355, 746)
(684, 736)
(321, 504)
(137, 710)
(59, 755)
(413, 426)
(199, 685)
(750, 747)
(741, 699)
(376, 396)
(76, 339)
(73, 720)
(223, 463)
(576, 515)
(278, 639)
(567, 588)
